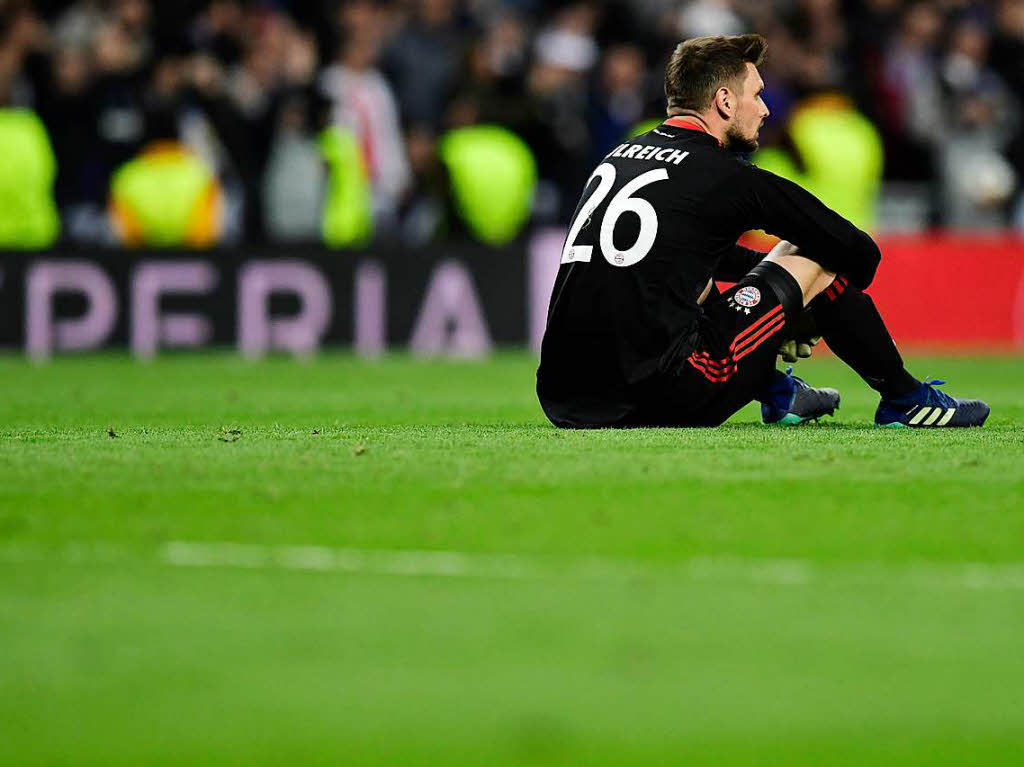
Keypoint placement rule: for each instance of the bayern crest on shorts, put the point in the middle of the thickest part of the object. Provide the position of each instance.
(748, 296)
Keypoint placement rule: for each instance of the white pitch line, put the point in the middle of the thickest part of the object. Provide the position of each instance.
(343, 560)
(462, 564)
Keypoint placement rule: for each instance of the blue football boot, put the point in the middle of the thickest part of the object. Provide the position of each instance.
(790, 401)
(927, 407)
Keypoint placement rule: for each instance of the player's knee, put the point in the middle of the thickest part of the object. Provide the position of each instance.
(809, 275)
(790, 255)
(782, 282)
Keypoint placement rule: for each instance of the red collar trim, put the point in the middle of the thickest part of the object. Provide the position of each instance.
(679, 122)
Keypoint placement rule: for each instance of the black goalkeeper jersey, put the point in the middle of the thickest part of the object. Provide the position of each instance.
(659, 217)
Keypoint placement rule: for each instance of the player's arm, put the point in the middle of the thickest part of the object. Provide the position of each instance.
(786, 210)
(736, 263)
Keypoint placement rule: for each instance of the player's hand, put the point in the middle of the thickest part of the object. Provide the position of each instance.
(793, 349)
(802, 335)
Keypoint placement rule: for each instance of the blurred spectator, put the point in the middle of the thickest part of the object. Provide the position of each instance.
(492, 92)
(167, 195)
(1006, 53)
(23, 39)
(220, 31)
(558, 91)
(294, 184)
(423, 61)
(364, 104)
(296, 177)
(492, 88)
(709, 17)
(977, 180)
(913, 114)
(427, 213)
(1006, 56)
(78, 27)
(68, 108)
(847, 181)
(618, 101)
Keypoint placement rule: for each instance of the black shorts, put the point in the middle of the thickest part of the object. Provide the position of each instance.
(733, 357)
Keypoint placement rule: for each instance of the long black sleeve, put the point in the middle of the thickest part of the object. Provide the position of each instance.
(784, 209)
(737, 262)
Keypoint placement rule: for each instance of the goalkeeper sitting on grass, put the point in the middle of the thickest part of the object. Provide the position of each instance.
(638, 334)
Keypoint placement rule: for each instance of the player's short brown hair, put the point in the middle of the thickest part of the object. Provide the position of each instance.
(701, 65)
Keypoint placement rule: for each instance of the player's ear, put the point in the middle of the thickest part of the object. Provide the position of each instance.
(725, 102)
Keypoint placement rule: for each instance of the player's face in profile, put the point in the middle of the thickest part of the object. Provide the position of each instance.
(751, 111)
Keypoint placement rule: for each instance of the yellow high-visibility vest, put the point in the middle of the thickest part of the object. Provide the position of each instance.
(28, 213)
(493, 175)
(348, 207)
(841, 153)
(166, 197)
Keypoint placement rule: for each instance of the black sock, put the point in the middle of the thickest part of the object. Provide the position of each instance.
(852, 327)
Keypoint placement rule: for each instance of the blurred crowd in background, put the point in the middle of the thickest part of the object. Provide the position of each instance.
(230, 121)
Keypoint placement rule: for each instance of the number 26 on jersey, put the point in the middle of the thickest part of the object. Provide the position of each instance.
(622, 202)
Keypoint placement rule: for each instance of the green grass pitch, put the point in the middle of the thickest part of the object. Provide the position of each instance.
(210, 561)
